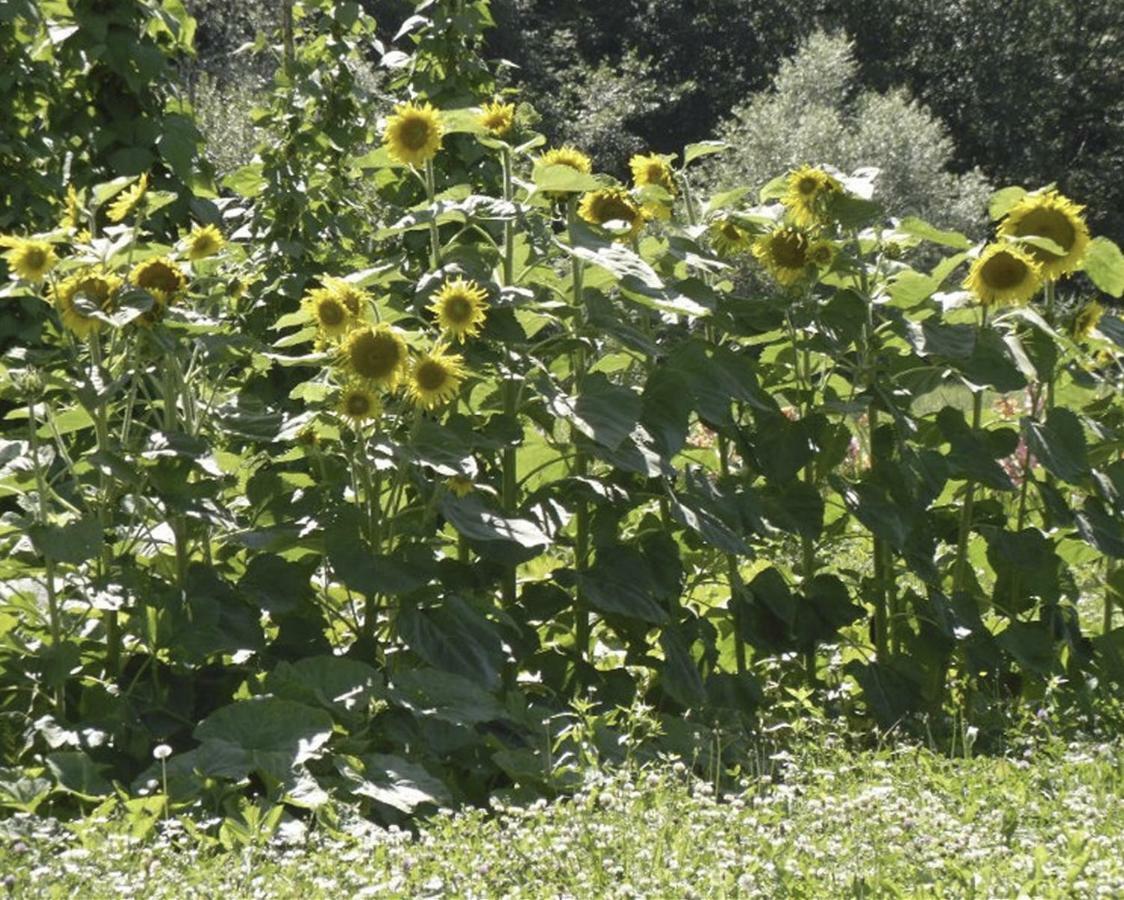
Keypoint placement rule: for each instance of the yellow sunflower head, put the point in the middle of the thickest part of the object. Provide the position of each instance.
(1004, 274)
(355, 299)
(497, 117)
(1087, 320)
(808, 192)
(612, 205)
(128, 200)
(652, 168)
(460, 485)
(729, 238)
(567, 156)
(204, 241)
(72, 210)
(1056, 218)
(822, 254)
(376, 355)
(784, 252)
(163, 279)
(413, 133)
(31, 259)
(436, 377)
(327, 309)
(460, 307)
(359, 403)
(78, 296)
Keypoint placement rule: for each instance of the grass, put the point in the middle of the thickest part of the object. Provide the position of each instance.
(897, 823)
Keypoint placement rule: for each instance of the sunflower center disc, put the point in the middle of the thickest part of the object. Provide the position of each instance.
(1051, 225)
(788, 251)
(1004, 271)
(331, 313)
(415, 133)
(431, 376)
(458, 310)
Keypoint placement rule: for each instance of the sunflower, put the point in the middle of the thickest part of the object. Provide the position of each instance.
(460, 485)
(29, 258)
(612, 205)
(89, 288)
(1087, 320)
(358, 403)
(729, 238)
(1055, 217)
(460, 308)
(785, 253)
(128, 199)
(807, 195)
(375, 354)
(72, 210)
(352, 297)
(1004, 273)
(436, 377)
(822, 254)
(325, 307)
(204, 241)
(567, 156)
(497, 117)
(163, 279)
(413, 133)
(652, 169)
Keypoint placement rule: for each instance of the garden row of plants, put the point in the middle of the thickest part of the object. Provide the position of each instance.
(548, 446)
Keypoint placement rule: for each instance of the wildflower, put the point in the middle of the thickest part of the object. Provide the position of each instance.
(1002, 274)
(376, 354)
(436, 377)
(612, 205)
(784, 253)
(204, 241)
(358, 403)
(128, 200)
(81, 293)
(460, 308)
(325, 307)
(31, 259)
(498, 117)
(1052, 216)
(413, 133)
(808, 191)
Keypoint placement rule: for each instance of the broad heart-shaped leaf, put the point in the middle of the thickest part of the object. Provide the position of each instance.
(22, 792)
(695, 513)
(77, 774)
(637, 280)
(455, 637)
(768, 587)
(477, 522)
(703, 148)
(336, 683)
(870, 503)
(1104, 264)
(1003, 200)
(619, 584)
(216, 619)
(922, 229)
(1109, 650)
(666, 410)
(716, 377)
(793, 506)
(825, 608)
(1031, 645)
(276, 584)
(428, 693)
(265, 735)
(1100, 528)
(440, 448)
(393, 781)
(605, 412)
(74, 542)
(782, 447)
(679, 676)
(1026, 567)
(563, 179)
(891, 689)
(972, 454)
(1059, 444)
(365, 572)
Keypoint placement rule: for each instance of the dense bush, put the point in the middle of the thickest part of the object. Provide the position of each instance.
(401, 466)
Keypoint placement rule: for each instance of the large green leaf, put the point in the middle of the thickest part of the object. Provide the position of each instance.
(393, 781)
(428, 693)
(265, 734)
(972, 454)
(472, 518)
(619, 583)
(455, 637)
(679, 676)
(336, 683)
(74, 542)
(606, 412)
(1104, 264)
(1059, 444)
(77, 774)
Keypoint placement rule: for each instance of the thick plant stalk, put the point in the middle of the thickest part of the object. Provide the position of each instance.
(1111, 596)
(101, 436)
(960, 572)
(44, 520)
(582, 623)
(434, 234)
(510, 484)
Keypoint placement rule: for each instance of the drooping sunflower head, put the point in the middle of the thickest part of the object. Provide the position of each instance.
(326, 308)
(652, 168)
(354, 299)
(612, 205)
(807, 195)
(31, 259)
(436, 377)
(460, 307)
(822, 254)
(128, 200)
(1087, 320)
(79, 296)
(567, 156)
(358, 403)
(1056, 218)
(375, 354)
(1004, 274)
(784, 252)
(729, 238)
(163, 279)
(497, 117)
(413, 133)
(204, 241)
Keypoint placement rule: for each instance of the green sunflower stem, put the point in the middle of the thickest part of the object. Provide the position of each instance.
(434, 234)
(960, 571)
(171, 392)
(510, 482)
(1111, 596)
(733, 571)
(44, 520)
(582, 624)
(101, 437)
